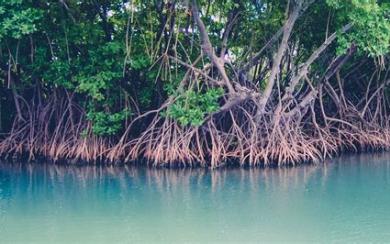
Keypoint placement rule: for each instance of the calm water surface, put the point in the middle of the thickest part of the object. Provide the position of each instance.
(344, 200)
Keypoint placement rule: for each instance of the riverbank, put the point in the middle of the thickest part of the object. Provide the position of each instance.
(300, 147)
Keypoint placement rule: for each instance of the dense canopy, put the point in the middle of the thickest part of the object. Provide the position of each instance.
(191, 82)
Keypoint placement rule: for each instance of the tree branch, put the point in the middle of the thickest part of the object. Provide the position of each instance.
(208, 48)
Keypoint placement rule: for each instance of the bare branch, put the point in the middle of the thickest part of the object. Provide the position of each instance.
(208, 48)
(233, 16)
(287, 29)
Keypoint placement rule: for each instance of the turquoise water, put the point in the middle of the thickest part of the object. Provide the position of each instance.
(344, 200)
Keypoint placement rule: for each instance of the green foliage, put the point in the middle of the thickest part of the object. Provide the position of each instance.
(171, 85)
(139, 62)
(108, 53)
(101, 72)
(95, 85)
(98, 80)
(139, 65)
(17, 19)
(191, 107)
(59, 73)
(371, 25)
(107, 124)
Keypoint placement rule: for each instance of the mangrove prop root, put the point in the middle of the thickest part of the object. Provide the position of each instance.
(54, 132)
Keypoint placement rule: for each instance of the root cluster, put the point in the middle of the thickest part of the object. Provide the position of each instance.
(233, 137)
